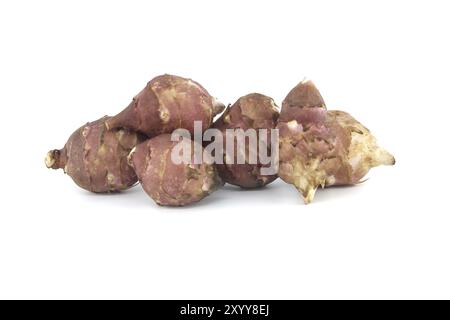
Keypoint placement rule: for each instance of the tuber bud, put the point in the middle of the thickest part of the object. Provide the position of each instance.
(167, 182)
(253, 111)
(96, 158)
(167, 103)
(323, 148)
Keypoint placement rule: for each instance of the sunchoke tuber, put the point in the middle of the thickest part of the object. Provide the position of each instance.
(167, 103)
(169, 183)
(316, 147)
(323, 148)
(96, 158)
(253, 111)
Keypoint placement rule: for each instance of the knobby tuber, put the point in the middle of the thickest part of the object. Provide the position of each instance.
(316, 148)
(253, 111)
(323, 148)
(170, 183)
(96, 158)
(167, 103)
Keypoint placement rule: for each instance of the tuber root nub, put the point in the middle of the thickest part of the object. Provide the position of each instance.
(54, 160)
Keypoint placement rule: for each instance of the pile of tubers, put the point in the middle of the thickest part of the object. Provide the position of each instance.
(315, 147)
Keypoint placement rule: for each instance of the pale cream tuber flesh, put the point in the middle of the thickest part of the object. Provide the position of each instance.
(323, 148)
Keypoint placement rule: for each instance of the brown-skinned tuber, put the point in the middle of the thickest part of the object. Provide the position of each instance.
(317, 147)
(323, 148)
(253, 111)
(170, 183)
(96, 158)
(167, 103)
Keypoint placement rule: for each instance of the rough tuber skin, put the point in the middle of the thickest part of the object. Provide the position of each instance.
(253, 111)
(323, 148)
(167, 103)
(96, 158)
(168, 183)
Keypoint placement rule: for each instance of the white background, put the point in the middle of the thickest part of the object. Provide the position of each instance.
(63, 63)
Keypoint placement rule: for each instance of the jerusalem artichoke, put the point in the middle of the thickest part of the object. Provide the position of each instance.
(323, 148)
(316, 147)
(254, 111)
(96, 158)
(170, 183)
(167, 103)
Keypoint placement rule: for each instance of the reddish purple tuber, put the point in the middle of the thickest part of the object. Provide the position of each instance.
(169, 183)
(167, 103)
(323, 148)
(96, 158)
(253, 111)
